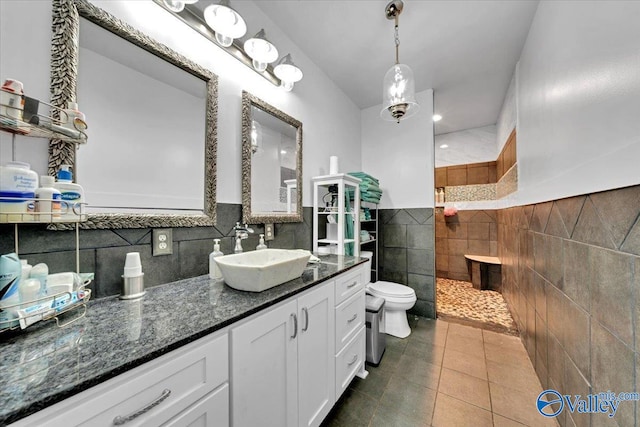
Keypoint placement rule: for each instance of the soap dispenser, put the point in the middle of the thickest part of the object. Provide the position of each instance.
(214, 270)
(261, 244)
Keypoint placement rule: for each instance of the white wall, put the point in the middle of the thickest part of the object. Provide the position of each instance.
(578, 97)
(401, 155)
(507, 117)
(466, 146)
(331, 122)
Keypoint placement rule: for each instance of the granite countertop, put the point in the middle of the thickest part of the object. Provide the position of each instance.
(45, 364)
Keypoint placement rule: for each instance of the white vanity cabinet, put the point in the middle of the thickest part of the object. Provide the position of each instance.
(186, 387)
(282, 371)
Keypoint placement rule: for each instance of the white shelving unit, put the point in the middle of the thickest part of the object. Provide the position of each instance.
(371, 225)
(321, 185)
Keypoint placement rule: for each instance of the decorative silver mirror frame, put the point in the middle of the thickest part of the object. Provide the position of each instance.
(249, 217)
(64, 72)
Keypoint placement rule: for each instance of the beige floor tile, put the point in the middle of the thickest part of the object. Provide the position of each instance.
(465, 331)
(517, 405)
(452, 412)
(429, 352)
(465, 345)
(432, 331)
(465, 387)
(419, 372)
(472, 364)
(521, 377)
(500, 339)
(408, 400)
(500, 421)
(507, 355)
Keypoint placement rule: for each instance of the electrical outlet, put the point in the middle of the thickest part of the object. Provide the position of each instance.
(162, 241)
(269, 232)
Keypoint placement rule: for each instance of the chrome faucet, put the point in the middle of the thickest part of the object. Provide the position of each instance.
(242, 232)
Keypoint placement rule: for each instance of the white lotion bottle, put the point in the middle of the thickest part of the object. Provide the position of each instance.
(48, 200)
(261, 244)
(72, 195)
(214, 270)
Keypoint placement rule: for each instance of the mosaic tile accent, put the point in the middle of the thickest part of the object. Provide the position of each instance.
(508, 183)
(460, 300)
(469, 193)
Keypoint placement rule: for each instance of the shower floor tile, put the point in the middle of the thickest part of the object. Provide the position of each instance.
(459, 301)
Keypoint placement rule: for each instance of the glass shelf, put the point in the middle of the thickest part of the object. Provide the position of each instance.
(335, 242)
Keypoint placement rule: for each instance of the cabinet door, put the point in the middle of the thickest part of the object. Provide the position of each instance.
(264, 378)
(210, 411)
(316, 368)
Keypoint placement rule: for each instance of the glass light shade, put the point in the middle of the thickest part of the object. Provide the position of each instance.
(176, 5)
(260, 49)
(287, 71)
(226, 22)
(398, 94)
(288, 86)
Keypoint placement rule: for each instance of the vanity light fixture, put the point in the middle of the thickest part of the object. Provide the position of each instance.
(287, 72)
(261, 51)
(225, 22)
(437, 117)
(398, 90)
(444, 146)
(177, 5)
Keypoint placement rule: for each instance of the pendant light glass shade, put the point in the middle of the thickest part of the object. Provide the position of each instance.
(287, 72)
(226, 22)
(261, 51)
(398, 94)
(177, 5)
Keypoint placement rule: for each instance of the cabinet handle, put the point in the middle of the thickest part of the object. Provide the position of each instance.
(306, 319)
(295, 326)
(355, 316)
(355, 282)
(118, 421)
(355, 357)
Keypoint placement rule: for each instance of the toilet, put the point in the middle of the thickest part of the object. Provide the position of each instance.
(397, 300)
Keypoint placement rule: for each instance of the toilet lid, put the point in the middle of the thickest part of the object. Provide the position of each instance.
(389, 289)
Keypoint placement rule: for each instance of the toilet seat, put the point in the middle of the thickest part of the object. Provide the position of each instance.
(391, 290)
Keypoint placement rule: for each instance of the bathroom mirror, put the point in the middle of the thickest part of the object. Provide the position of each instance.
(162, 175)
(271, 164)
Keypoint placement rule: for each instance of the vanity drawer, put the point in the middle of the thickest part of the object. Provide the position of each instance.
(175, 380)
(349, 319)
(348, 285)
(349, 361)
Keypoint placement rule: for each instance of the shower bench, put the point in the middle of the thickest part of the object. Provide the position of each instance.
(485, 271)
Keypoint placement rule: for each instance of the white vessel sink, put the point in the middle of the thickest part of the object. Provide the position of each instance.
(257, 271)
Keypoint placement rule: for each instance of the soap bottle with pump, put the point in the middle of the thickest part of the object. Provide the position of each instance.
(48, 200)
(214, 270)
(72, 194)
(261, 244)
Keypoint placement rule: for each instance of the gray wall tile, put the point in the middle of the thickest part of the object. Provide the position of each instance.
(420, 236)
(420, 261)
(577, 384)
(395, 259)
(423, 285)
(577, 278)
(569, 210)
(555, 225)
(619, 210)
(611, 293)
(590, 228)
(395, 235)
(540, 216)
(632, 243)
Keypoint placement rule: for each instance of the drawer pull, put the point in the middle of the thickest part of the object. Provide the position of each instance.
(355, 282)
(295, 326)
(306, 319)
(118, 421)
(355, 358)
(355, 316)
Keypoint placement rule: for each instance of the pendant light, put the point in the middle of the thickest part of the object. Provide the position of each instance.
(177, 5)
(225, 22)
(287, 72)
(398, 91)
(261, 51)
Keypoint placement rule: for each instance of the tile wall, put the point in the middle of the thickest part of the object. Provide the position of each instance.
(407, 253)
(472, 232)
(104, 251)
(571, 276)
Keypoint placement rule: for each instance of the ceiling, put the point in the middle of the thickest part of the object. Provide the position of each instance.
(465, 50)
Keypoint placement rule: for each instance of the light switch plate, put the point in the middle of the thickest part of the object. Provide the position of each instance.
(162, 242)
(269, 232)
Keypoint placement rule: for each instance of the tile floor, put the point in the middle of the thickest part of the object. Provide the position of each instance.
(445, 374)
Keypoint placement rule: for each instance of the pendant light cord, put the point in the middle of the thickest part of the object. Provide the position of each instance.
(397, 39)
